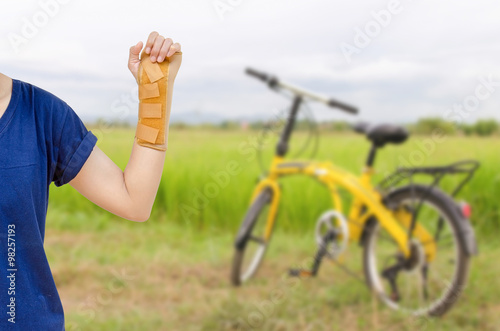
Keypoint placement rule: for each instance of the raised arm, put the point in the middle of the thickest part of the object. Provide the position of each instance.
(129, 194)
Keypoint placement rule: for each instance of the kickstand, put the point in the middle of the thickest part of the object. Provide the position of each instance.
(320, 254)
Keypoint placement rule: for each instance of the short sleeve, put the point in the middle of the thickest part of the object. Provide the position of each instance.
(72, 148)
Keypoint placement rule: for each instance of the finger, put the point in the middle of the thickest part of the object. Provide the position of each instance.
(151, 40)
(173, 49)
(134, 52)
(156, 48)
(164, 49)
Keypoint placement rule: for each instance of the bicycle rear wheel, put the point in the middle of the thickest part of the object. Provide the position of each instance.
(416, 285)
(251, 242)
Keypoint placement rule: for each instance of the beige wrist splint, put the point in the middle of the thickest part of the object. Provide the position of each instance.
(156, 85)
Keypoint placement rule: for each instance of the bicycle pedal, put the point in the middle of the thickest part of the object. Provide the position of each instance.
(395, 297)
(299, 273)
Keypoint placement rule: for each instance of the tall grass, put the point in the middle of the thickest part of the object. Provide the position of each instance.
(194, 157)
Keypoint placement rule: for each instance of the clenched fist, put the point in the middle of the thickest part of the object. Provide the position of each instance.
(157, 47)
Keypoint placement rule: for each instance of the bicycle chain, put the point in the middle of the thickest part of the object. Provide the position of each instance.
(349, 272)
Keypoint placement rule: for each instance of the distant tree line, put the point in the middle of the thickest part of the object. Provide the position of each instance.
(109, 123)
(483, 127)
(428, 125)
(424, 126)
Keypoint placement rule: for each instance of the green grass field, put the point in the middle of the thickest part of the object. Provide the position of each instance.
(171, 273)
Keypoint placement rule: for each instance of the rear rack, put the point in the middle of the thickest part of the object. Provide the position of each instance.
(466, 167)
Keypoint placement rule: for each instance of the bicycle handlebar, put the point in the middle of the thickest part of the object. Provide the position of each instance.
(273, 82)
(262, 76)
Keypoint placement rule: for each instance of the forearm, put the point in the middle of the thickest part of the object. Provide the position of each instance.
(142, 176)
(143, 172)
(131, 193)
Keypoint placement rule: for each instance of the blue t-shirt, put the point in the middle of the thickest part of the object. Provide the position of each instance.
(42, 140)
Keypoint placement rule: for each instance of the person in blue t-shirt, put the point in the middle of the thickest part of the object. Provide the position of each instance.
(42, 140)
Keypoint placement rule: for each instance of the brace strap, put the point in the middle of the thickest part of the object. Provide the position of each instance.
(156, 82)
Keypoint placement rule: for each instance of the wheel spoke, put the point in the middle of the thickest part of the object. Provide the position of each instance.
(257, 239)
(247, 260)
(444, 239)
(387, 238)
(425, 271)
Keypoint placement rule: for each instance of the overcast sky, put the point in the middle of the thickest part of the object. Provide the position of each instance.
(420, 61)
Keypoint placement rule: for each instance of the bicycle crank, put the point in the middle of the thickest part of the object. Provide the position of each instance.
(332, 240)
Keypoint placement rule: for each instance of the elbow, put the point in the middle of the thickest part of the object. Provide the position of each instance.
(139, 215)
(142, 219)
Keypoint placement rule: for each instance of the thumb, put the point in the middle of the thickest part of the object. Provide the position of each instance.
(134, 52)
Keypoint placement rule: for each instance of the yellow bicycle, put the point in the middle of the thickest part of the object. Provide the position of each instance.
(417, 240)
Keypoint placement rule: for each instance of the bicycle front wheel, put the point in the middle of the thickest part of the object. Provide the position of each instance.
(252, 242)
(416, 285)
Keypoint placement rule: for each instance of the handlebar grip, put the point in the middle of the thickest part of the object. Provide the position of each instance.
(345, 107)
(262, 76)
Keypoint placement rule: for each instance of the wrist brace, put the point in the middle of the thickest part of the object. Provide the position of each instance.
(156, 85)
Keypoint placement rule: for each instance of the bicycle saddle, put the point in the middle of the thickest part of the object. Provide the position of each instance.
(381, 134)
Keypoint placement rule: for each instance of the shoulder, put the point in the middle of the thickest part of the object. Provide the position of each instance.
(38, 94)
(44, 104)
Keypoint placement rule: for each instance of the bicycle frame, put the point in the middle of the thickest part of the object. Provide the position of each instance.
(367, 201)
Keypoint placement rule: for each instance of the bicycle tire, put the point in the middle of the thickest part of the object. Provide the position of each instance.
(449, 212)
(252, 217)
